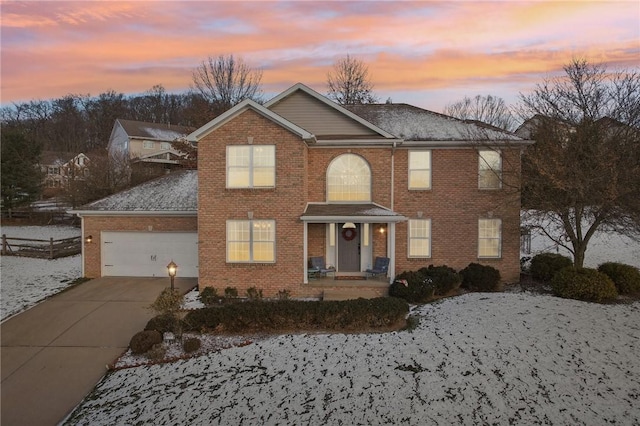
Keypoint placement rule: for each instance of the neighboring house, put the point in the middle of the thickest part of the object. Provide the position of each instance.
(301, 176)
(148, 144)
(59, 168)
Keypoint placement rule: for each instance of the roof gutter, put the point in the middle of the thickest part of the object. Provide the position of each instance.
(357, 219)
(82, 213)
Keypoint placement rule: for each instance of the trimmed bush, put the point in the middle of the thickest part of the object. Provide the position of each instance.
(254, 294)
(625, 277)
(209, 296)
(168, 302)
(230, 293)
(143, 341)
(443, 279)
(283, 295)
(545, 265)
(163, 323)
(476, 277)
(258, 316)
(191, 344)
(583, 284)
(412, 286)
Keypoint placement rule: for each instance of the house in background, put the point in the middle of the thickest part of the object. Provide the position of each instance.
(59, 168)
(302, 177)
(147, 145)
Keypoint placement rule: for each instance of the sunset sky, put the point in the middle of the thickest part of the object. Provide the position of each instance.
(426, 53)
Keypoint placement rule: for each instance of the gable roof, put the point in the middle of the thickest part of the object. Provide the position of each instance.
(299, 87)
(173, 194)
(416, 124)
(56, 158)
(243, 106)
(155, 131)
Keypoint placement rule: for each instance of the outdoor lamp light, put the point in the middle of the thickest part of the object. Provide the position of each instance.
(349, 225)
(88, 239)
(172, 268)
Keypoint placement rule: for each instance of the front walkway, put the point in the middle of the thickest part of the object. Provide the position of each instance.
(54, 353)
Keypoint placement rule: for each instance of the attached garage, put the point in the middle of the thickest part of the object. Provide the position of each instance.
(147, 254)
(137, 232)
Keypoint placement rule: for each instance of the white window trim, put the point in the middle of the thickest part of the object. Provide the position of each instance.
(328, 194)
(482, 161)
(499, 238)
(251, 241)
(251, 168)
(409, 170)
(430, 239)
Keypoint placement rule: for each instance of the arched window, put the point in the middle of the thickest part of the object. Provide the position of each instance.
(349, 179)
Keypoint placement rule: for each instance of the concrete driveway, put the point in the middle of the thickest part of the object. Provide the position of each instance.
(55, 353)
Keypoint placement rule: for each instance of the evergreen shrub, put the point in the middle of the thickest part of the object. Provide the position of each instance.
(625, 277)
(545, 265)
(476, 277)
(583, 284)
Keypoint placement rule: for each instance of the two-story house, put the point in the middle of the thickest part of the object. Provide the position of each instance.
(59, 169)
(147, 144)
(301, 177)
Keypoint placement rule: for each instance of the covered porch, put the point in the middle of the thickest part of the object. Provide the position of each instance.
(349, 238)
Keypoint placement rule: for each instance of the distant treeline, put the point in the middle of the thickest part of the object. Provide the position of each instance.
(83, 123)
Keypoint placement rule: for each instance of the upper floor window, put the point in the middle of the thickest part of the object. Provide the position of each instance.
(165, 145)
(419, 169)
(53, 171)
(148, 144)
(419, 238)
(489, 237)
(252, 241)
(489, 169)
(349, 179)
(251, 166)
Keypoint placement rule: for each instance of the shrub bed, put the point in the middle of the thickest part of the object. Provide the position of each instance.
(256, 316)
(412, 286)
(583, 284)
(476, 277)
(625, 277)
(545, 265)
(143, 341)
(163, 323)
(443, 279)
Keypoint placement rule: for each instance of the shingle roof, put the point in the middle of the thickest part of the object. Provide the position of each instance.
(371, 210)
(176, 191)
(416, 124)
(159, 131)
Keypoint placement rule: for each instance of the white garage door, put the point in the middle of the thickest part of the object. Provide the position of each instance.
(147, 254)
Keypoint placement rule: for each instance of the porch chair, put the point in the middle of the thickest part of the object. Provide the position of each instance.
(318, 267)
(380, 267)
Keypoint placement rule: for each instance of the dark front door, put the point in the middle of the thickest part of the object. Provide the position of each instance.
(349, 249)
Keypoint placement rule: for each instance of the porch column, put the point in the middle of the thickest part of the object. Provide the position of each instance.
(304, 252)
(391, 244)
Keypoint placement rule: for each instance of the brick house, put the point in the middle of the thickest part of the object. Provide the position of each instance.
(301, 176)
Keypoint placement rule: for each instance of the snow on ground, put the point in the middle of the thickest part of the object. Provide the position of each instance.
(25, 281)
(503, 358)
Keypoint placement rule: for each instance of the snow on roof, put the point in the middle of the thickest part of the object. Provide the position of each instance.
(416, 124)
(176, 191)
(159, 131)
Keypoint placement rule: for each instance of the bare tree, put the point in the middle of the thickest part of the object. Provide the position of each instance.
(489, 109)
(226, 81)
(350, 83)
(583, 173)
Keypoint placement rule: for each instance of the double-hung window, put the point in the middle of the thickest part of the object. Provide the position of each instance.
(419, 237)
(165, 145)
(251, 241)
(251, 166)
(489, 237)
(148, 144)
(419, 169)
(489, 169)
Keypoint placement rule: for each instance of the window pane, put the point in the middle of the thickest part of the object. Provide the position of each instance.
(263, 231)
(237, 252)
(489, 169)
(419, 238)
(238, 177)
(349, 179)
(419, 169)
(264, 177)
(264, 156)
(489, 237)
(419, 248)
(263, 252)
(238, 156)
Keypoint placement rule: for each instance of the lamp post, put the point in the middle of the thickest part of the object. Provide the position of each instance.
(172, 268)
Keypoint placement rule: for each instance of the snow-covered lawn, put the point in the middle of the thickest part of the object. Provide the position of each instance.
(26, 281)
(499, 358)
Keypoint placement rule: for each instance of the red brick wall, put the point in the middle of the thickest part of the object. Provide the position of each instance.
(454, 205)
(285, 203)
(94, 225)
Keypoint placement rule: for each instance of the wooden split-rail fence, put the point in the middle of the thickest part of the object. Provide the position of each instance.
(45, 249)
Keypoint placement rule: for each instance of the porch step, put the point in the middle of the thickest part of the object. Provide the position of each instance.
(352, 293)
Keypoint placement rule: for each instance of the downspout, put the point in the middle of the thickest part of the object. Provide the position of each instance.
(393, 151)
(82, 244)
